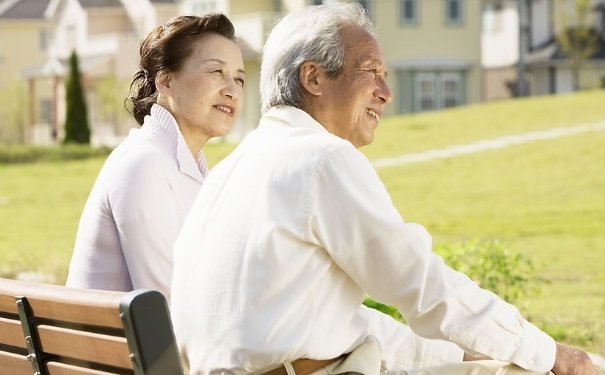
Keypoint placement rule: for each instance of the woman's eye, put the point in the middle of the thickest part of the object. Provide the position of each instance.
(241, 81)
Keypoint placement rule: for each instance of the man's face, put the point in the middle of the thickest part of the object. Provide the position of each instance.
(352, 102)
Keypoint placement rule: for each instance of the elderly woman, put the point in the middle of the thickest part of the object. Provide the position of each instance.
(189, 88)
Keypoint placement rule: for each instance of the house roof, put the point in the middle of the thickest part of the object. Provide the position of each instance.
(552, 52)
(431, 63)
(24, 9)
(59, 67)
(100, 3)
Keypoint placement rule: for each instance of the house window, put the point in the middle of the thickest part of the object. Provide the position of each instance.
(43, 39)
(426, 92)
(454, 10)
(451, 90)
(437, 90)
(45, 111)
(408, 12)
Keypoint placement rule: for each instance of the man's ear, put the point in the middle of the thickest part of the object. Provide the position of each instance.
(309, 75)
(162, 82)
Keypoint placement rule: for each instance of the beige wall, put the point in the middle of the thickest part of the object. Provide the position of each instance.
(431, 38)
(101, 21)
(496, 80)
(410, 41)
(250, 6)
(15, 111)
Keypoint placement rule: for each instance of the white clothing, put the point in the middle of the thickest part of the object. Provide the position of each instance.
(288, 234)
(365, 359)
(136, 208)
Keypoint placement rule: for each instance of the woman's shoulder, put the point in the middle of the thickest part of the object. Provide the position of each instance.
(137, 156)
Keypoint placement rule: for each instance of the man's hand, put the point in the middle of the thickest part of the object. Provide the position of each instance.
(470, 357)
(570, 361)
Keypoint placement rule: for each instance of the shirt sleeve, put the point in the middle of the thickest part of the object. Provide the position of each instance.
(403, 348)
(354, 219)
(145, 211)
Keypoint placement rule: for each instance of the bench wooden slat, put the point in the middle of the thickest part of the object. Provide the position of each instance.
(58, 368)
(47, 302)
(85, 346)
(11, 333)
(74, 331)
(7, 303)
(14, 364)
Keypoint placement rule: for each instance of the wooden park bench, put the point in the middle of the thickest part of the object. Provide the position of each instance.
(56, 330)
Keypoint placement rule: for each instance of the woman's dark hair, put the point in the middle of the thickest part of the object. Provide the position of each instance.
(164, 50)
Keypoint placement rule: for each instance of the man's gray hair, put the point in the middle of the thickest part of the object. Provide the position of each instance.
(308, 34)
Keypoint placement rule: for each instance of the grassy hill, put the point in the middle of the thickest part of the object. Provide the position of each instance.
(545, 199)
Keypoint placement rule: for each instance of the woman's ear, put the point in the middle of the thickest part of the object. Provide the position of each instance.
(309, 75)
(162, 82)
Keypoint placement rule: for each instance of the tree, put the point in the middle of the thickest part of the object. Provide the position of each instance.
(577, 39)
(77, 129)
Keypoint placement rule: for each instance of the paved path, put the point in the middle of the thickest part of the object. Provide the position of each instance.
(488, 144)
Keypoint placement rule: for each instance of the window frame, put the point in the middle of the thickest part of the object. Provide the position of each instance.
(447, 16)
(415, 19)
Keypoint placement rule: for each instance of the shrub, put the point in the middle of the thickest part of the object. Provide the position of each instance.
(491, 265)
(18, 154)
(494, 267)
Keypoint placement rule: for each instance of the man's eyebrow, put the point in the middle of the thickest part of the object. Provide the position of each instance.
(372, 61)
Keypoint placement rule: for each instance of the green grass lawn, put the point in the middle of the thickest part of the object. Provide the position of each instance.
(545, 199)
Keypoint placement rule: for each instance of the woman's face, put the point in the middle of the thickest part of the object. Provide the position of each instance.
(206, 94)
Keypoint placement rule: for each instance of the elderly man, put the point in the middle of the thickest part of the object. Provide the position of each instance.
(294, 228)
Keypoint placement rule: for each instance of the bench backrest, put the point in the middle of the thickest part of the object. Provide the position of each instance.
(56, 330)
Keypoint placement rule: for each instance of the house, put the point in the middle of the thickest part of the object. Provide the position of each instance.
(36, 40)
(100, 31)
(523, 38)
(433, 50)
(25, 34)
(500, 40)
(555, 65)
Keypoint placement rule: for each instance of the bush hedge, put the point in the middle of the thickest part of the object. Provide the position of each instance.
(489, 263)
(19, 154)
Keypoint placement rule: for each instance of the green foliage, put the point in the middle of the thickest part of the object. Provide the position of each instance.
(111, 93)
(579, 40)
(508, 274)
(389, 310)
(77, 129)
(17, 154)
(489, 263)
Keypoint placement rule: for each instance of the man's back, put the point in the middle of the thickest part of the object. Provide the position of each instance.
(266, 270)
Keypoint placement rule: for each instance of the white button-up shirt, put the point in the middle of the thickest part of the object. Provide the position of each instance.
(289, 233)
(135, 210)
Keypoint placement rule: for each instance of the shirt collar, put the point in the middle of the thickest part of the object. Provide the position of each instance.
(162, 122)
(294, 117)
